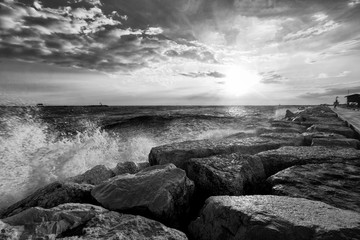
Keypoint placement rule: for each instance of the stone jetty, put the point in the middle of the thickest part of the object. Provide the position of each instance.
(297, 178)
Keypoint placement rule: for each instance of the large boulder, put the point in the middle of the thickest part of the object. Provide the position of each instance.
(342, 130)
(52, 195)
(233, 174)
(159, 192)
(85, 221)
(129, 167)
(94, 176)
(336, 184)
(261, 217)
(284, 157)
(347, 142)
(179, 153)
(309, 136)
(262, 130)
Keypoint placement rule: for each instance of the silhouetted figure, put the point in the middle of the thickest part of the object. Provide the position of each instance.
(336, 102)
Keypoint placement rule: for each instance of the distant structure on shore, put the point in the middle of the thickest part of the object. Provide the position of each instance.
(353, 100)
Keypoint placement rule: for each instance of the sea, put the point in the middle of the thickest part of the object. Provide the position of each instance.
(43, 144)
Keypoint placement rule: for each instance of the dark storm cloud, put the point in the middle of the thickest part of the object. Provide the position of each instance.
(271, 77)
(213, 74)
(122, 35)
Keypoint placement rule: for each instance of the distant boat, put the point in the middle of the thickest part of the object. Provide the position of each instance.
(40, 105)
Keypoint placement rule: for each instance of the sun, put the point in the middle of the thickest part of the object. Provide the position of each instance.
(239, 81)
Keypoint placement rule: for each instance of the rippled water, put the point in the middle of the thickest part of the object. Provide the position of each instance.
(41, 145)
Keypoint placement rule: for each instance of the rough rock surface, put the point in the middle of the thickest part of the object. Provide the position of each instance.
(273, 217)
(342, 130)
(335, 184)
(284, 157)
(287, 124)
(296, 138)
(232, 174)
(94, 176)
(159, 192)
(309, 136)
(85, 221)
(179, 153)
(52, 195)
(260, 131)
(129, 167)
(347, 142)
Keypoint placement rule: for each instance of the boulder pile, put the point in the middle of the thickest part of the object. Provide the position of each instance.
(298, 178)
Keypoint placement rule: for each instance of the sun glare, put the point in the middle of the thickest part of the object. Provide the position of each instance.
(239, 81)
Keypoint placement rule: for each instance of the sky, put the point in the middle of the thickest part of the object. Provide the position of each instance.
(179, 52)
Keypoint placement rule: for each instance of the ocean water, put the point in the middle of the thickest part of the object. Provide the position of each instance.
(39, 145)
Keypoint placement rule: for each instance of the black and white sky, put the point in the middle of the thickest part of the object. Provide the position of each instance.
(163, 52)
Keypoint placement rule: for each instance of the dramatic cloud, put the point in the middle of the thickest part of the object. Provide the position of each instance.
(204, 74)
(272, 77)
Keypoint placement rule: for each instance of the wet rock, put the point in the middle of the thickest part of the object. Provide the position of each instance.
(309, 136)
(159, 192)
(8, 232)
(336, 184)
(347, 142)
(129, 167)
(85, 221)
(179, 153)
(284, 157)
(52, 195)
(260, 131)
(287, 124)
(289, 114)
(296, 138)
(94, 176)
(273, 217)
(232, 174)
(342, 130)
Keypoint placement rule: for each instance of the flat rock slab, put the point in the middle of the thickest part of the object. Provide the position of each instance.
(309, 136)
(83, 221)
(159, 192)
(287, 124)
(336, 184)
(52, 195)
(347, 142)
(233, 174)
(260, 131)
(273, 218)
(342, 130)
(179, 153)
(296, 138)
(284, 157)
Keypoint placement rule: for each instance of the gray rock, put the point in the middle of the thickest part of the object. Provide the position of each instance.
(52, 195)
(296, 138)
(309, 136)
(287, 124)
(85, 221)
(342, 130)
(336, 184)
(94, 176)
(125, 167)
(159, 192)
(289, 114)
(273, 218)
(284, 157)
(232, 174)
(347, 142)
(179, 153)
(260, 131)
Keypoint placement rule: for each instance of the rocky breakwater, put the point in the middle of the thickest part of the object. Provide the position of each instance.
(293, 179)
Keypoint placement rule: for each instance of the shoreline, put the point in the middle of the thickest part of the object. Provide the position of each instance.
(290, 162)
